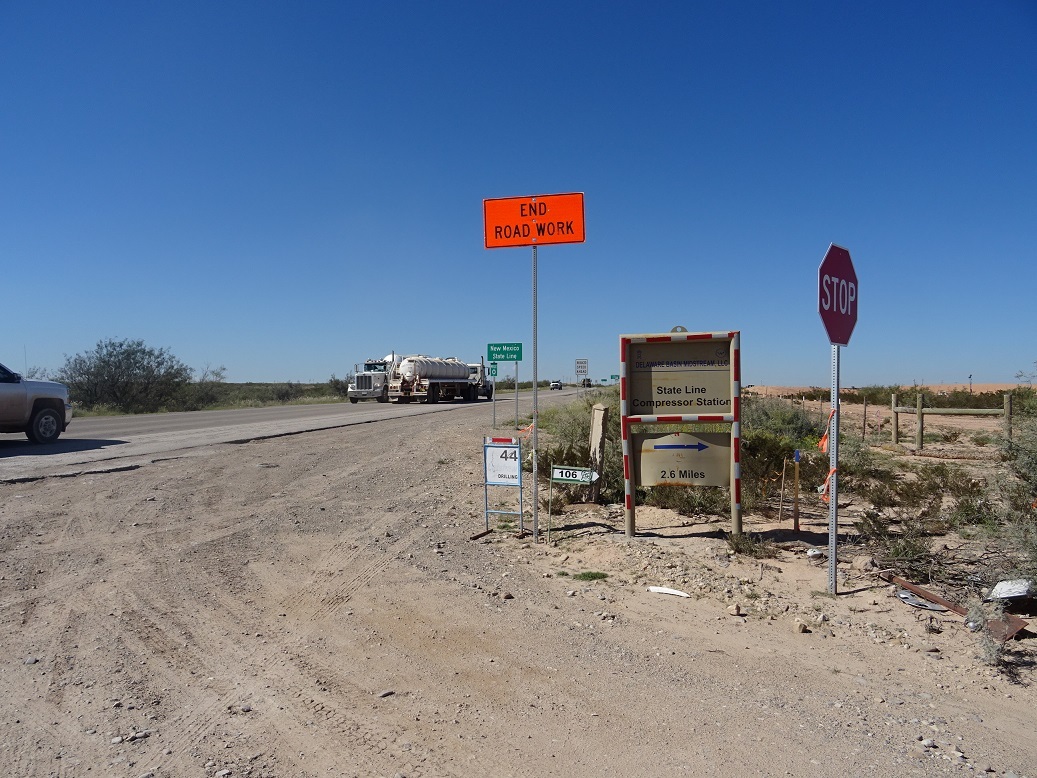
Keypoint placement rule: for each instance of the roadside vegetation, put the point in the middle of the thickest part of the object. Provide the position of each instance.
(127, 376)
(929, 521)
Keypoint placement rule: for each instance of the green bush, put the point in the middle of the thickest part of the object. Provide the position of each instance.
(782, 419)
(125, 374)
(690, 500)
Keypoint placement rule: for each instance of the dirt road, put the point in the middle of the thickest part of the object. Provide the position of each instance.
(312, 605)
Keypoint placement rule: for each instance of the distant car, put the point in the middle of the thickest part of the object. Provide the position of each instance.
(586, 382)
(556, 384)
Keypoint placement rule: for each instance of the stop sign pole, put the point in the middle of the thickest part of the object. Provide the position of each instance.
(837, 294)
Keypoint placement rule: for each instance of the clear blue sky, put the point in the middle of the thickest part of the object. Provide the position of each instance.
(286, 188)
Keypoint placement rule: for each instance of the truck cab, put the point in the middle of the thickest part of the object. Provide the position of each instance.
(372, 383)
(40, 409)
(479, 381)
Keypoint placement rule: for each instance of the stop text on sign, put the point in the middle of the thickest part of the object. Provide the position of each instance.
(533, 221)
(839, 295)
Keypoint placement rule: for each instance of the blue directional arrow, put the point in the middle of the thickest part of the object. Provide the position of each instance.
(696, 446)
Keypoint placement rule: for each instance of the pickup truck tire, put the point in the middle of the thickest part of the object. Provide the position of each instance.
(353, 400)
(45, 426)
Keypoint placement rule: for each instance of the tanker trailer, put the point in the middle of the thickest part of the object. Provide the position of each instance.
(428, 379)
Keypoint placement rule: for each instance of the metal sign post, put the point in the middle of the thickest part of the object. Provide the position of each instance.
(582, 371)
(833, 469)
(505, 352)
(838, 293)
(536, 477)
(516, 395)
(493, 397)
(585, 476)
(533, 221)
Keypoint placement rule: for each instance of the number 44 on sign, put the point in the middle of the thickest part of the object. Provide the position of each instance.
(574, 475)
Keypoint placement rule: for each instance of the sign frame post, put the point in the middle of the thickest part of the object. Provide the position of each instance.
(496, 477)
(722, 379)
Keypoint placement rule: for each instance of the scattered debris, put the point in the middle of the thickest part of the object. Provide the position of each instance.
(909, 598)
(667, 590)
(1019, 588)
(1000, 629)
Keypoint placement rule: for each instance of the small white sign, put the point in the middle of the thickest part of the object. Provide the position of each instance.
(503, 464)
(574, 475)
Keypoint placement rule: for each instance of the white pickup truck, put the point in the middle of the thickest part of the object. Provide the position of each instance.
(40, 409)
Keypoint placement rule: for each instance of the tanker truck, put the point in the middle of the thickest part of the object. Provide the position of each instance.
(372, 383)
(431, 379)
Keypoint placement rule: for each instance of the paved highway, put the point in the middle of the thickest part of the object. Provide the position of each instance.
(107, 442)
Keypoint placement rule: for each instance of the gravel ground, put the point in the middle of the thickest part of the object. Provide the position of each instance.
(314, 605)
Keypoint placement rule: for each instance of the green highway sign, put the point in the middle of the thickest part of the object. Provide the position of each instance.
(504, 352)
(615, 377)
(574, 475)
(493, 371)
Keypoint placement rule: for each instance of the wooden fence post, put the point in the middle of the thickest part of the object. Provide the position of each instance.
(599, 423)
(896, 421)
(1008, 416)
(919, 432)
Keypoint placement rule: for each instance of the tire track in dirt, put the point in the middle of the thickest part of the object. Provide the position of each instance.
(63, 650)
(336, 577)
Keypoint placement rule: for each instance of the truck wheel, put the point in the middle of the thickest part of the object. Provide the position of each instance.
(352, 400)
(45, 426)
(385, 395)
(433, 394)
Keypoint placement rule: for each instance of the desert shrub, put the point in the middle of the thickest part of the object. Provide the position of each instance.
(907, 549)
(1020, 452)
(875, 395)
(879, 493)
(782, 419)
(973, 510)
(207, 391)
(873, 525)
(568, 429)
(755, 546)
(339, 386)
(690, 500)
(125, 374)
(590, 575)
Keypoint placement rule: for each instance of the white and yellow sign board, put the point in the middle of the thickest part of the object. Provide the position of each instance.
(684, 379)
(682, 458)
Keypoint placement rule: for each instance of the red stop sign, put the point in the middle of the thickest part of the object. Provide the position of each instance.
(837, 294)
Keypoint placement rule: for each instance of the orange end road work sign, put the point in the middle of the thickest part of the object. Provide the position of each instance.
(533, 221)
